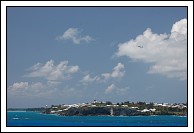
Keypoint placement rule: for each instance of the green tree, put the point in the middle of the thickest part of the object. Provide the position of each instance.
(108, 103)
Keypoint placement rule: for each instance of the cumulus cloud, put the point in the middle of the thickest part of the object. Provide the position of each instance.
(74, 34)
(166, 52)
(18, 86)
(88, 79)
(117, 90)
(25, 88)
(110, 88)
(50, 71)
(117, 72)
(32, 89)
(25, 85)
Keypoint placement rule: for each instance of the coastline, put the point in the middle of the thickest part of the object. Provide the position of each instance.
(109, 109)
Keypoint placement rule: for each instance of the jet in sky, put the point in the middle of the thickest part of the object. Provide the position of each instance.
(140, 46)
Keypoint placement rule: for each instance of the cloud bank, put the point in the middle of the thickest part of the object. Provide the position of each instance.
(74, 34)
(166, 52)
(51, 72)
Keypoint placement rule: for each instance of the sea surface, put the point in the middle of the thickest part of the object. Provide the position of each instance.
(22, 118)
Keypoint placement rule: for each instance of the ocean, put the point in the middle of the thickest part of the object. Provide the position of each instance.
(28, 119)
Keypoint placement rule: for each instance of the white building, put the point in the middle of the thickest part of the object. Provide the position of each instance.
(153, 110)
(145, 110)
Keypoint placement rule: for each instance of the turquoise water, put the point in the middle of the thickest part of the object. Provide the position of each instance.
(38, 119)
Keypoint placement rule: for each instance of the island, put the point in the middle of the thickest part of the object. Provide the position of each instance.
(108, 108)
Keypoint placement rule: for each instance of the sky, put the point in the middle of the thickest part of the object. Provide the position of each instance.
(66, 55)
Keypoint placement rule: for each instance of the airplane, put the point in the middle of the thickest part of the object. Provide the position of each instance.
(140, 46)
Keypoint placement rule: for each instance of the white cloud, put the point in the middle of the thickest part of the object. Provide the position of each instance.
(167, 53)
(25, 88)
(117, 90)
(88, 79)
(74, 34)
(32, 89)
(118, 72)
(18, 86)
(50, 71)
(25, 85)
(110, 88)
(73, 69)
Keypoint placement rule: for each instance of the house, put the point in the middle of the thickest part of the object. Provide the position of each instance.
(152, 110)
(145, 110)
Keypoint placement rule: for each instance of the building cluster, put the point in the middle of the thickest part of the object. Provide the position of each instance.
(179, 105)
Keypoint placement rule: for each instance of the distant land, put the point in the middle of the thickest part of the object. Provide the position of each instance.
(111, 109)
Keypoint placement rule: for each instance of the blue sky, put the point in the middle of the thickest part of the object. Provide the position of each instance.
(64, 55)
